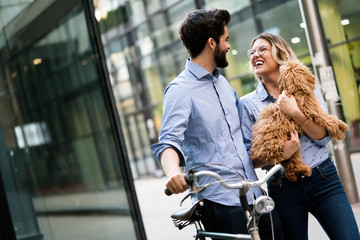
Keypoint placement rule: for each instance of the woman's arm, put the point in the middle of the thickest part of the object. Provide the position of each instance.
(288, 105)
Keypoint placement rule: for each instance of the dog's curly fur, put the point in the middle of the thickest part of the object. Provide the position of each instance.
(273, 127)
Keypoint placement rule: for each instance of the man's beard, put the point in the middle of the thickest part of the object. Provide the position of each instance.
(220, 58)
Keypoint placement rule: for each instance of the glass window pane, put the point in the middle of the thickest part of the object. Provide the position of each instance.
(230, 5)
(153, 5)
(341, 27)
(285, 20)
(160, 33)
(240, 36)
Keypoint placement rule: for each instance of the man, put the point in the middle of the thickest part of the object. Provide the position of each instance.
(201, 126)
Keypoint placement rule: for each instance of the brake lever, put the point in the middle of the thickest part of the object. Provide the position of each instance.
(190, 179)
(199, 189)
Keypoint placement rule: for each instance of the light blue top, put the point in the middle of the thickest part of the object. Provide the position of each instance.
(201, 121)
(314, 151)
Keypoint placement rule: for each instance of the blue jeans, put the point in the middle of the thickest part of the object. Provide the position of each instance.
(321, 194)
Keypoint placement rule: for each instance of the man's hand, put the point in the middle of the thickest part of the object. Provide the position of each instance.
(176, 183)
(291, 145)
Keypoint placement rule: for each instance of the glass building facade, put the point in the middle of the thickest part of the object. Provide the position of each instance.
(81, 90)
(64, 169)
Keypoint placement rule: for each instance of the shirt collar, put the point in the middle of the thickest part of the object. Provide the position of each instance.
(263, 94)
(199, 72)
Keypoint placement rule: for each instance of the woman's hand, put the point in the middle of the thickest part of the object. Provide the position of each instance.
(291, 145)
(288, 105)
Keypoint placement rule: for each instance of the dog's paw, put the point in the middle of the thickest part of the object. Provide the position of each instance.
(291, 177)
(339, 131)
(305, 170)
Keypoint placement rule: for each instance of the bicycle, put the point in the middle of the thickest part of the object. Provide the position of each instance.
(192, 215)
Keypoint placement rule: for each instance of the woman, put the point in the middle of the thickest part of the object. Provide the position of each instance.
(321, 194)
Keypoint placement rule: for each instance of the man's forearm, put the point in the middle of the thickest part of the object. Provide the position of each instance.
(170, 162)
(176, 178)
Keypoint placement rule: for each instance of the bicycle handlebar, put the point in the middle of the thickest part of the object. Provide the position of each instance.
(238, 185)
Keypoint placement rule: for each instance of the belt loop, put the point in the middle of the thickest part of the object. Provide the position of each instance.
(324, 162)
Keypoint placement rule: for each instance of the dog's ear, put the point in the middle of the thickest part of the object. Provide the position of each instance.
(295, 76)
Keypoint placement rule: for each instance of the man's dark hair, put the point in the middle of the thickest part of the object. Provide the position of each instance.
(199, 26)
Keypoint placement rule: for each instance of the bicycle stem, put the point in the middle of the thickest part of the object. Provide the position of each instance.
(252, 229)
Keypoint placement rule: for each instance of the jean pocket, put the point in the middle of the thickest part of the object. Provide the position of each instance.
(328, 170)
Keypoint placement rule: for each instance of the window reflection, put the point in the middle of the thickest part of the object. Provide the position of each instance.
(32, 134)
(60, 162)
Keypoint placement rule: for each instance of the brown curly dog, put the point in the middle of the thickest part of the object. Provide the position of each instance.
(273, 127)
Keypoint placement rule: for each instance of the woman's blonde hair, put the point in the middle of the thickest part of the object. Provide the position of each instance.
(280, 50)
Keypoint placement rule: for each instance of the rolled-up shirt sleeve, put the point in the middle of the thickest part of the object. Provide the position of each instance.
(324, 141)
(158, 148)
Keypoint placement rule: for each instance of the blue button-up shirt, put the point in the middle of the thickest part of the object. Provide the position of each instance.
(314, 151)
(201, 122)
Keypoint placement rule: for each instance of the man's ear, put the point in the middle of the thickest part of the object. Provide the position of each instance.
(211, 42)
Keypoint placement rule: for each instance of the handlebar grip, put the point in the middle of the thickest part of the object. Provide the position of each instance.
(167, 192)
